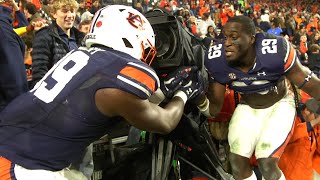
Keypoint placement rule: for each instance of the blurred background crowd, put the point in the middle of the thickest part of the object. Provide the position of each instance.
(297, 20)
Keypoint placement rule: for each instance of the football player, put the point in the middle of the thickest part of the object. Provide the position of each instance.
(256, 65)
(86, 94)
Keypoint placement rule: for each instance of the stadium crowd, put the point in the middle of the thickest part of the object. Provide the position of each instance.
(44, 31)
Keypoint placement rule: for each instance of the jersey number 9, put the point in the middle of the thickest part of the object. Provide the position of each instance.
(48, 88)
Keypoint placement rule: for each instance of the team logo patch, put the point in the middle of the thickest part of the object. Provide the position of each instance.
(263, 73)
(232, 76)
(135, 21)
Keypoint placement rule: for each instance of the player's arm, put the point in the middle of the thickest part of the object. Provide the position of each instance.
(139, 112)
(304, 79)
(215, 95)
(211, 105)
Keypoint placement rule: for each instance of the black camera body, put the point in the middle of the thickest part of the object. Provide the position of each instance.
(175, 45)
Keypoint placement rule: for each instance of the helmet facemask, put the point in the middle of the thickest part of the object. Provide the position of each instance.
(149, 53)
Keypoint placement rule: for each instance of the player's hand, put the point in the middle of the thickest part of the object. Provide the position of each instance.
(194, 87)
(175, 79)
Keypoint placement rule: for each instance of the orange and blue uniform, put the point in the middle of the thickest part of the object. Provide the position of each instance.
(67, 118)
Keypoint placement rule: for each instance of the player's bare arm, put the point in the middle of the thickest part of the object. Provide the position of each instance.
(304, 79)
(215, 95)
(138, 112)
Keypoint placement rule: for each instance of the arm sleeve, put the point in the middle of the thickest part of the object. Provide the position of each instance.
(290, 56)
(22, 20)
(138, 80)
(13, 81)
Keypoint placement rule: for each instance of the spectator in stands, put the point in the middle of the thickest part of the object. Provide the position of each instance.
(82, 7)
(311, 27)
(191, 25)
(95, 6)
(203, 25)
(45, 12)
(303, 48)
(226, 13)
(314, 59)
(139, 7)
(315, 38)
(19, 19)
(53, 42)
(265, 20)
(211, 32)
(303, 21)
(290, 25)
(45, 6)
(13, 80)
(281, 19)
(27, 58)
(275, 27)
(301, 31)
(145, 5)
(86, 15)
(84, 26)
(296, 160)
(316, 155)
(36, 3)
(31, 12)
(298, 19)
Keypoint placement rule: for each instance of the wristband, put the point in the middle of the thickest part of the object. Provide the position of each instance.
(204, 108)
(203, 104)
(306, 79)
(182, 95)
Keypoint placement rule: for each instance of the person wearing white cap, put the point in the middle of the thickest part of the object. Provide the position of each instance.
(86, 15)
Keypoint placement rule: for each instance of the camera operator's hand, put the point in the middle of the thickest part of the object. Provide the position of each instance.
(192, 88)
(175, 79)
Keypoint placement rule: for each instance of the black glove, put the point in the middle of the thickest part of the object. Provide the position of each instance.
(175, 79)
(194, 87)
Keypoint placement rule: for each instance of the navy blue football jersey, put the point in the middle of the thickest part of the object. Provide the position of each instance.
(274, 57)
(50, 126)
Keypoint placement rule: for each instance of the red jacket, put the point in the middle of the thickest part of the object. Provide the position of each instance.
(296, 160)
(316, 155)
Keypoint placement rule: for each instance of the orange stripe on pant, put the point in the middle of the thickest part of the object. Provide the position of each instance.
(279, 151)
(6, 169)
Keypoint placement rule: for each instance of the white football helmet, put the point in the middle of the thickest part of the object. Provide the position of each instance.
(124, 29)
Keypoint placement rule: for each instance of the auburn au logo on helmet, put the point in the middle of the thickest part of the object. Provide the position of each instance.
(135, 21)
